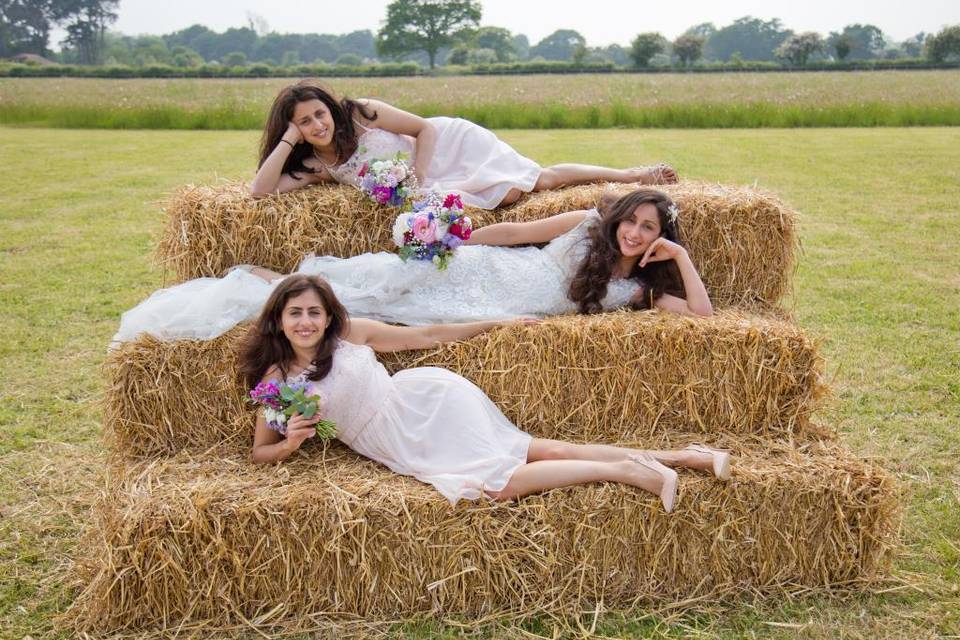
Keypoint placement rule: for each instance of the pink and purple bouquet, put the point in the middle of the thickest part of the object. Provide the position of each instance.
(281, 400)
(433, 229)
(391, 182)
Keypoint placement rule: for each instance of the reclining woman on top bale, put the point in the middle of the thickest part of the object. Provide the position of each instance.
(313, 137)
(426, 422)
(626, 255)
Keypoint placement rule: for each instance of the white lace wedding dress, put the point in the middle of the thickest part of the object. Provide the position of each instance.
(467, 159)
(481, 283)
(425, 422)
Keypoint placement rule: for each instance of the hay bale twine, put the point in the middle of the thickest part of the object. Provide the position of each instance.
(608, 377)
(742, 240)
(328, 535)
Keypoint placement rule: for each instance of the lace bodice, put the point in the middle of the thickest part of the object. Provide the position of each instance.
(372, 144)
(481, 283)
(353, 390)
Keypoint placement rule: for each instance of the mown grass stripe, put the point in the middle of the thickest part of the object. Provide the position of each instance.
(755, 115)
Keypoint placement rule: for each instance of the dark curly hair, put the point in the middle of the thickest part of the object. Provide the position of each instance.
(265, 344)
(342, 111)
(589, 284)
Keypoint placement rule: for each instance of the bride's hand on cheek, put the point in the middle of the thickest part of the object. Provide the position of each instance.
(661, 249)
(292, 134)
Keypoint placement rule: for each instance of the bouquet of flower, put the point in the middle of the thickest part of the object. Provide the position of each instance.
(433, 229)
(280, 401)
(391, 182)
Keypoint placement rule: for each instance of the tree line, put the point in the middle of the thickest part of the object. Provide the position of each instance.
(438, 32)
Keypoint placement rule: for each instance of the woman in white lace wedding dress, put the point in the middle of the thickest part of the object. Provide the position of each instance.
(425, 422)
(312, 137)
(630, 256)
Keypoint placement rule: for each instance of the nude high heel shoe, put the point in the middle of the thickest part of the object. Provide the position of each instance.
(721, 459)
(668, 492)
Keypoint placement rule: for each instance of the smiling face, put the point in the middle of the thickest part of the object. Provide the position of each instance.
(637, 231)
(304, 320)
(313, 119)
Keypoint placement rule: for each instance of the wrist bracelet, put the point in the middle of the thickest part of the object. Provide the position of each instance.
(287, 141)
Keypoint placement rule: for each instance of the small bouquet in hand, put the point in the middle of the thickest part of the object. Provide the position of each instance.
(282, 400)
(433, 230)
(391, 182)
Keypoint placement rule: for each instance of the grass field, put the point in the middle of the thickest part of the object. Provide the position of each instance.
(748, 100)
(879, 281)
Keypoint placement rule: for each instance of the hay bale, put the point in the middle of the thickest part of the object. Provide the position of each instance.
(742, 240)
(583, 378)
(329, 535)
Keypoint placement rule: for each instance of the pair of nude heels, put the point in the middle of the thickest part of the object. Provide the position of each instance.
(668, 492)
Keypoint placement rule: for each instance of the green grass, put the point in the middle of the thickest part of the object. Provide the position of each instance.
(768, 100)
(878, 281)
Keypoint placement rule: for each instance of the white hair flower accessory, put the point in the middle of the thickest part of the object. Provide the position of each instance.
(672, 213)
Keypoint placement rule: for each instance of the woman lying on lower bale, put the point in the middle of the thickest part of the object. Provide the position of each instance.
(426, 422)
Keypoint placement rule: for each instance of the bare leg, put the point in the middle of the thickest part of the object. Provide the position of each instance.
(551, 474)
(543, 449)
(560, 175)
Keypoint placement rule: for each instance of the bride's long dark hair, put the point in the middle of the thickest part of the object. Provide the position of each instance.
(265, 344)
(342, 110)
(589, 284)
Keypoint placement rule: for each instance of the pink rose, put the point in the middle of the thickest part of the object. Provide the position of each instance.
(424, 230)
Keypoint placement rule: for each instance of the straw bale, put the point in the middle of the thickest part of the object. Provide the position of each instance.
(330, 535)
(583, 378)
(742, 240)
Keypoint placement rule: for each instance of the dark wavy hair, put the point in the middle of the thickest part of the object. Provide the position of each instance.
(342, 111)
(265, 344)
(589, 284)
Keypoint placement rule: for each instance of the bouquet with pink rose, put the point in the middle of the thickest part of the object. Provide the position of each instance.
(433, 229)
(281, 400)
(390, 182)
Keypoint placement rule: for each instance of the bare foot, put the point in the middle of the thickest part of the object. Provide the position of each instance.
(657, 174)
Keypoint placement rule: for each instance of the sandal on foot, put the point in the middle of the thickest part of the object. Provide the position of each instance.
(721, 459)
(668, 492)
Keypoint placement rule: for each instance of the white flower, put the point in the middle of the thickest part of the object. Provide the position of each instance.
(672, 213)
(400, 226)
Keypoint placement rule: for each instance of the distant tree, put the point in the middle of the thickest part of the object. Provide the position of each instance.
(24, 27)
(521, 46)
(616, 53)
(755, 39)
(196, 37)
(458, 55)
(944, 45)
(798, 48)
(85, 22)
(242, 40)
(840, 44)
(324, 48)
(913, 47)
(645, 46)
(291, 58)
(425, 25)
(359, 42)
(235, 59)
(185, 57)
(349, 60)
(866, 41)
(559, 45)
(497, 39)
(705, 30)
(688, 48)
(579, 54)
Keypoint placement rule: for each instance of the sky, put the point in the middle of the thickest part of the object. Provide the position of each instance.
(601, 22)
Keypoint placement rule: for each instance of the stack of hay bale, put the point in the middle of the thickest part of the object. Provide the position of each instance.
(190, 532)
